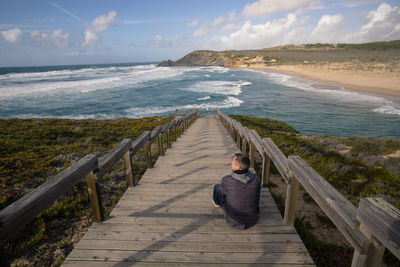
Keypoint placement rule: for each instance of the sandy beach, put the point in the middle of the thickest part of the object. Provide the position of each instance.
(387, 83)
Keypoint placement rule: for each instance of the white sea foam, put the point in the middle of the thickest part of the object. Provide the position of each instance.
(388, 110)
(218, 87)
(72, 81)
(204, 98)
(229, 102)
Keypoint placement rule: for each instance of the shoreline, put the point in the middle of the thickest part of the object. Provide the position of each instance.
(366, 82)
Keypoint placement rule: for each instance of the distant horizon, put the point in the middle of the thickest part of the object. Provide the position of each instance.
(52, 33)
(166, 58)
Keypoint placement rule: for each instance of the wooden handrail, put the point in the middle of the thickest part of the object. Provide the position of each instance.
(383, 220)
(369, 229)
(21, 212)
(341, 212)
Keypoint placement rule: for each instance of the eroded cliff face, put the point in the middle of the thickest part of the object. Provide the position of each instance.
(222, 59)
(199, 58)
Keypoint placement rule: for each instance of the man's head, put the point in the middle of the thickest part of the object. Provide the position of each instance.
(240, 162)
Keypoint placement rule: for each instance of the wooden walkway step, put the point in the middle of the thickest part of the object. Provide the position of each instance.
(169, 220)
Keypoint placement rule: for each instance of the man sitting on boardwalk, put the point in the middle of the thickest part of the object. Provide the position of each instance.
(239, 194)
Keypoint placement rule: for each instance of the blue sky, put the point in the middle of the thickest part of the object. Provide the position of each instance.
(59, 32)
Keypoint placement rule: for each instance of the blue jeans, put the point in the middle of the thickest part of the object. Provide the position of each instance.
(217, 197)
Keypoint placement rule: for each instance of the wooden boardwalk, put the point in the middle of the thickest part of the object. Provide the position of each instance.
(169, 220)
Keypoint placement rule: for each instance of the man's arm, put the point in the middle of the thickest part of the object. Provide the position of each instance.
(222, 187)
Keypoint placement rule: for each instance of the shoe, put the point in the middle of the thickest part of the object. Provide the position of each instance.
(215, 204)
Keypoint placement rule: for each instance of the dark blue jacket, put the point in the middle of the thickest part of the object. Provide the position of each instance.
(242, 193)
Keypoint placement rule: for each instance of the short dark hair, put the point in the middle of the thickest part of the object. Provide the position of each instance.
(243, 161)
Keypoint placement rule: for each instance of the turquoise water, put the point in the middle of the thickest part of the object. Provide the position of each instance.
(139, 90)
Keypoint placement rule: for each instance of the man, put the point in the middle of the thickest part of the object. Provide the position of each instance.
(239, 194)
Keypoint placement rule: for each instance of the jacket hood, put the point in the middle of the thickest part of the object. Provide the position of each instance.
(243, 177)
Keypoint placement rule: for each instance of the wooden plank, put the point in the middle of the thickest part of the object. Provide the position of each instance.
(265, 220)
(324, 195)
(161, 209)
(190, 246)
(382, 220)
(190, 237)
(194, 229)
(113, 156)
(22, 211)
(218, 257)
(176, 264)
(277, 157)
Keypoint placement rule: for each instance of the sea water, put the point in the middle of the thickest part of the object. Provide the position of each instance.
(140, 90)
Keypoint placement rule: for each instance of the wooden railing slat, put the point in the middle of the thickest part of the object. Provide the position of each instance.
(113, 156)
(383, 220)
(323, 193)
(154, 134)
(139, 142)
(277, 157)
(22, 211)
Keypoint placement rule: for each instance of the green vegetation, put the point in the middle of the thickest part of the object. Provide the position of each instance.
(363, 171)
(373, 45)
(33, 150)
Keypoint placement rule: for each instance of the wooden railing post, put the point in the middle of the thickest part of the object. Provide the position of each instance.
(372, 257)
(168, 139)
(252, 154)
(129, 169)
(244, 146)
(95, 198)
(292, 192)
(238, 139)
(380, 224)
(265, 169)
(148, 154)
(160, 146)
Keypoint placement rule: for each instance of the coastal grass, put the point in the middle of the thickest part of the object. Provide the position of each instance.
(357, 167)
(34, 150)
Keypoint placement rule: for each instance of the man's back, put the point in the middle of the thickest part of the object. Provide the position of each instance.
(242, 196)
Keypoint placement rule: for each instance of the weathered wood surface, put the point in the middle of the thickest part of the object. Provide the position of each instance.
(382, 219)
(335, 205)
(168, 218)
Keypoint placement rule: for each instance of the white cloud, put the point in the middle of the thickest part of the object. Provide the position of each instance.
(355, 3)
(382, 24)
(207, 28)
(161, 42)
(98, 25)
(12, 36)
(263, 8)
(202, 31)
(286, 30)
(57, 39)
(192, 23)
(328, 30)
(231, 28)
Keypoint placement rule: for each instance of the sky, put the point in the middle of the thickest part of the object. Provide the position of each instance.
(64, 32)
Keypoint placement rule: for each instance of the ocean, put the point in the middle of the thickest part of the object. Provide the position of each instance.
(139, 90)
